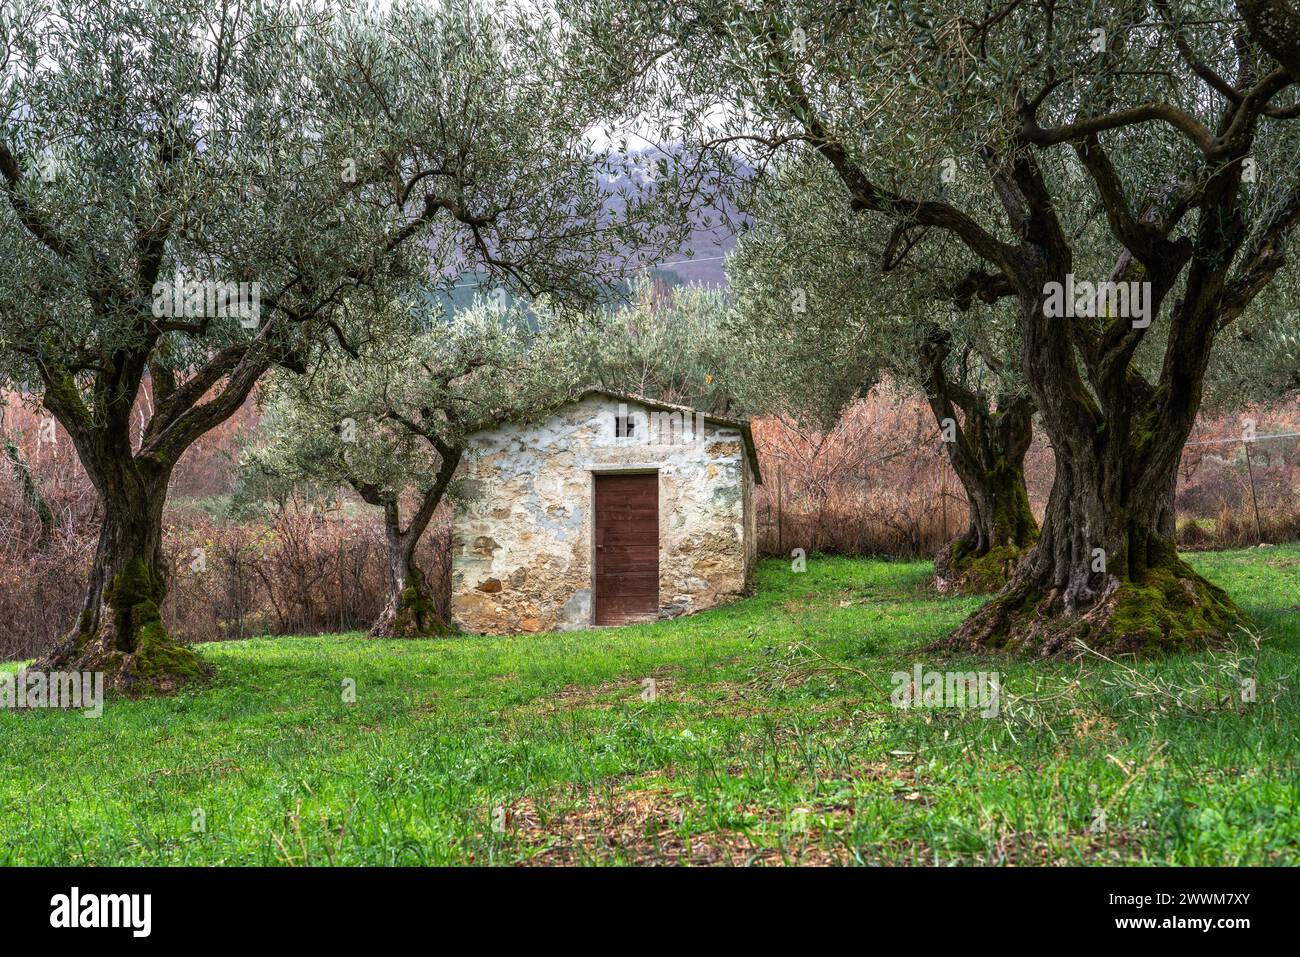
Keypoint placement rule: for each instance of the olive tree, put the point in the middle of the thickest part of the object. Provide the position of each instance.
(392, 424)
(826, 309)
(669, 344)
(1260, 363)
(194, 193)
(1140, 186)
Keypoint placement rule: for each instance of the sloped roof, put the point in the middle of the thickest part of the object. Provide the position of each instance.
(741, 425)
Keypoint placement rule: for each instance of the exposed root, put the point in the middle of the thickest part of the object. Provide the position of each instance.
(1171, 609)
(156, 664)
(130, 645)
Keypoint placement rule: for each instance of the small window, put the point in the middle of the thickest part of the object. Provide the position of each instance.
(624, 426)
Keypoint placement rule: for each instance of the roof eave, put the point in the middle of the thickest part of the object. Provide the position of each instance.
(741, 425)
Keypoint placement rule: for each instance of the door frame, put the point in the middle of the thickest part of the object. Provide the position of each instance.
(596, 472)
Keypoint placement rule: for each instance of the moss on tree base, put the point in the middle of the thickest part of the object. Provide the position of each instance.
(156, 665)
(411, 614)
(1170, 609)
(958, 574)
(959, 569)
(131, 646)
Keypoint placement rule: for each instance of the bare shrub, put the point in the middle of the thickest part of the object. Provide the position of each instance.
(305, 570)
(880, 484)
(1229, 500)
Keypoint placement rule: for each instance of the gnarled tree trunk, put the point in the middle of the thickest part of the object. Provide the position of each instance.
(410, 611)
(1105, 571)
(987, 451)
(120, 630)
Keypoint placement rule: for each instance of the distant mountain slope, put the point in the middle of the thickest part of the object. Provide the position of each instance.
(699, 260)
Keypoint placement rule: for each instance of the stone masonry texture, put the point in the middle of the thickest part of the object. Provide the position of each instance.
(522, 540)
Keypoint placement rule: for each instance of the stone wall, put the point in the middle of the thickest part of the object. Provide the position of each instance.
(522, 552)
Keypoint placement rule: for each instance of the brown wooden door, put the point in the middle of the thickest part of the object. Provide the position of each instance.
(627, 548)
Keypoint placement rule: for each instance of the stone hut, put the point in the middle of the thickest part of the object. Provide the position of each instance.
(609, 510)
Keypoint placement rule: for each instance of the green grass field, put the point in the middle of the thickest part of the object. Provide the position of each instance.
(771, 739)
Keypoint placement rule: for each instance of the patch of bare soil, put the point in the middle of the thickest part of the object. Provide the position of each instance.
(1015, 849)
(607, 694)
(1024, 849)
(652, 826)
(647, 827)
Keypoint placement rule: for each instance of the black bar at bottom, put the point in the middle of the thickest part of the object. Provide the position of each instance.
(620, 907)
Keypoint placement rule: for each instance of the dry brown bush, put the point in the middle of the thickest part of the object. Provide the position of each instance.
(879, 483)
(301, 571)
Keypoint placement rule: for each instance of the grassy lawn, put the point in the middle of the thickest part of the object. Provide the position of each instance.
(758, 746)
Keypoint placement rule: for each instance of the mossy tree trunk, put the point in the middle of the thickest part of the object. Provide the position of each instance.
(410, 610)
(1105, 571)
(120, 630)
(986, 446)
